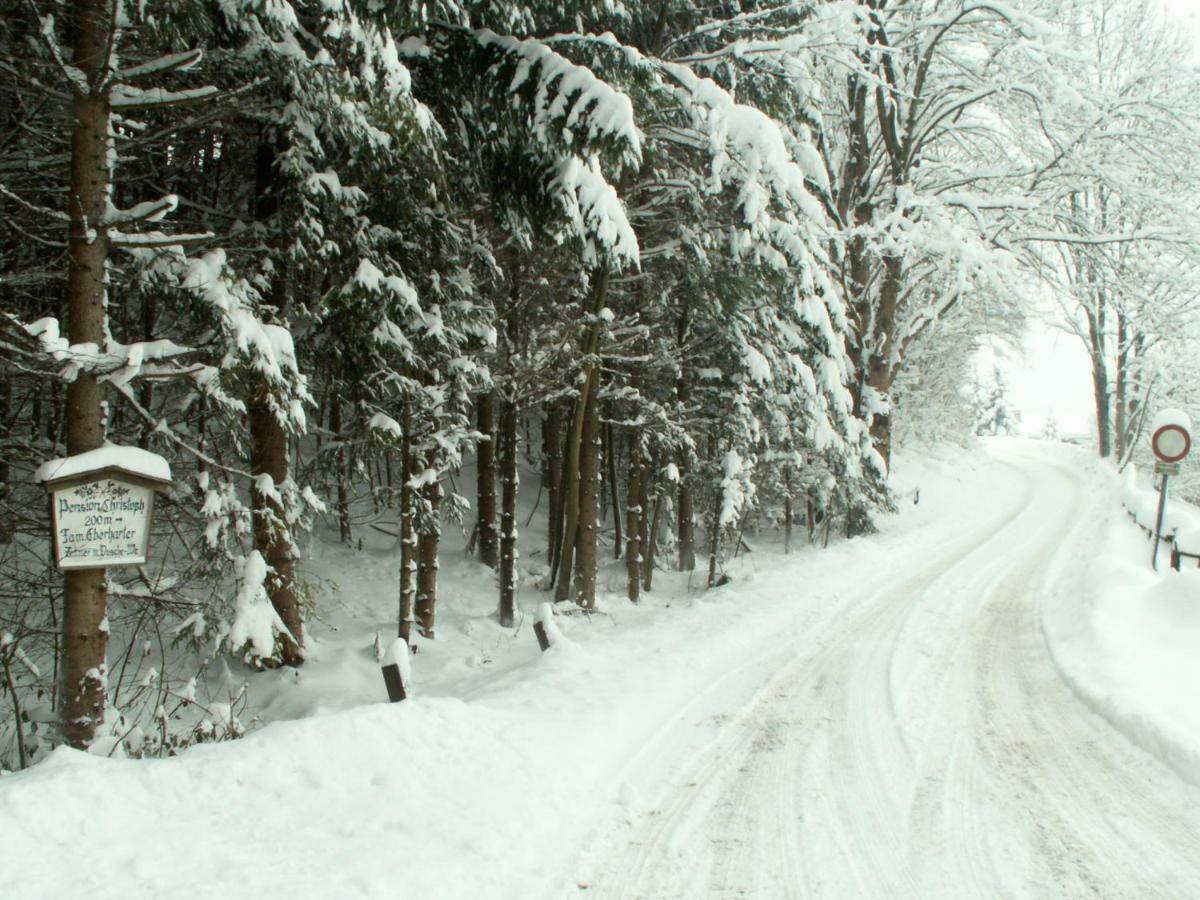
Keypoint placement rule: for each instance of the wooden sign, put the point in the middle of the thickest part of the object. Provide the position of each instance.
(101, 503)
(101, 523)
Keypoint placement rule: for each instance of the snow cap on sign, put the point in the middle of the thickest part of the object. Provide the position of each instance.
(397, 652)
(1176, 417)
(133, 460)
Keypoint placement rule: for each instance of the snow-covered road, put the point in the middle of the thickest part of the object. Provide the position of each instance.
(881, 719)
(919, 743)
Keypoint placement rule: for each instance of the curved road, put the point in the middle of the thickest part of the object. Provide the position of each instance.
(918, 741)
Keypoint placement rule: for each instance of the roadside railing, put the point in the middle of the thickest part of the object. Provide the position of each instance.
(1181, 521)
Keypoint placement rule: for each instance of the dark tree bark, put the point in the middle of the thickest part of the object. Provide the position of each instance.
(1126, 405)
(650, 526)
(553, 474)
(343, 489)
(714, 521)
(562, 589)
(634, 521)
(609, 452)
(590, 485)
(427, 557)
(590, 377)
(652, 543)
(787, 511)
(485, 480)
(1096, 325)
(270, 451)
(146, 388)
(269, 456)
(685, 527)
(645, 482)
(509, 482)
(1121, 388)
(714, 541)
(85, 634)
(8, 517)
(880, 373)
(408, 535)
(685, 519)
(509, 449)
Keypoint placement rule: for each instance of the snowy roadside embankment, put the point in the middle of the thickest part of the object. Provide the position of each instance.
(1181, 521)
(1127, 637)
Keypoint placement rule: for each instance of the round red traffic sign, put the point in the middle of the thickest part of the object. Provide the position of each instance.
(1171, 442)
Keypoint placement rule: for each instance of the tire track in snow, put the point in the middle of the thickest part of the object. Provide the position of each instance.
(691, 844)
(917, 741)
(1057, 808)
(1071, 754)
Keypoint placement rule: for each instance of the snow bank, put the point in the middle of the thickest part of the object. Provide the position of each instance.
(1181, 520)
(1125, 637)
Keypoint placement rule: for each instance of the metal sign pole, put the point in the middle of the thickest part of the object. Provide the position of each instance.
(1162, 504)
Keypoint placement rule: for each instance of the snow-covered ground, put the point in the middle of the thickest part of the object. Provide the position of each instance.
(882, 718)
(1127, 637)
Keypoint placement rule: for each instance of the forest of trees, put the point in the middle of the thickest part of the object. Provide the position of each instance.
(697, 264)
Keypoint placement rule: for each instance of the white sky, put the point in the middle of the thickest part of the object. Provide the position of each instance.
(1188, 10)
(1053, 376)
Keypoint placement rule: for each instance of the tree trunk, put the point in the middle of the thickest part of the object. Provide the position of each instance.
(485, 480)
(1121, 400)
(509, 482)
(609, 452)
(590, 485)
(571, 476)
(570, 492)
(634, 521)
(269, 452)
(714, 525)
(787, 511)
(652, 543)
(714, 545)
(553, 474)
(1096, 324)
(146, 388)
(343, 490)
(880, 374)
(8, 515)
(408, 535)
(85, 631)
(685, 524)
(269, 457)
(427, 557)
(1095, 310)
(647, 534)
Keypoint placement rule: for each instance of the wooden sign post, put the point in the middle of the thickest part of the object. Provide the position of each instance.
(101, 503)
(1171, 441)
